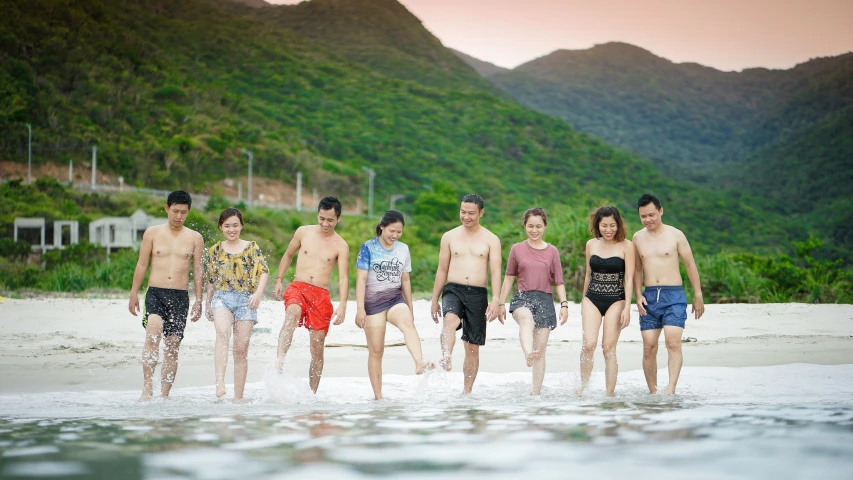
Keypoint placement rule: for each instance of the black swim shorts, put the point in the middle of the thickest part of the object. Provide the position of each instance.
(540, 304)
(469, 304)
(171, 305)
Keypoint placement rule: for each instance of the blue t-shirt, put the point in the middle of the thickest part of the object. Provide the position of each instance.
(385, 269)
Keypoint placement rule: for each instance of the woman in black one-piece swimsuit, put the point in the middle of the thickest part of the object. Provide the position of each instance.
(608, 283)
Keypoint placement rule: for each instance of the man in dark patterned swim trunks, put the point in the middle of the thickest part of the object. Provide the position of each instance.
(469, 257)
(168, 248)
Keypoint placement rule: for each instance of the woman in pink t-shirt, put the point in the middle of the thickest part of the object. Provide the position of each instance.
(535, 264)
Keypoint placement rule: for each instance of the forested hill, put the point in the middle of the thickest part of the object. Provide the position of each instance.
(381, 34)
(171, 91)
(783, 136)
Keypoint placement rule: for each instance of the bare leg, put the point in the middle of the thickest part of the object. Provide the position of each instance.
(318, 346)
(608, 345)
(650, 358)
(242, 335)
(285, 337)
(540, 343)
(672, 336)
(525, 332)
(471, 366)
(374, 331)
(170, 364)
(223, 321)
(150, 355)
(448, 339)
(591, 321)
(401, 317)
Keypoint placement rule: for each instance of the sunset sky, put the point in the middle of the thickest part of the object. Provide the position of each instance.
(725, 34)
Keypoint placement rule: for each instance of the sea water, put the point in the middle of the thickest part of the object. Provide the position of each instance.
(788, 421)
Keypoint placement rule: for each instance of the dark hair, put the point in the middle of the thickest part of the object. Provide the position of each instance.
(228, 213)
(535, 212)
(473, 198)
(647, 199)
(603, 212)
(329, 203)
(391, 216)
(179, 197)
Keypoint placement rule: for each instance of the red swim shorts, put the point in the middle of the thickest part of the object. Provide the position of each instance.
(315, 302)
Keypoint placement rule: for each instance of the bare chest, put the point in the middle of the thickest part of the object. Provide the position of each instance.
(173, 249)
(658, 250)
(461, 249)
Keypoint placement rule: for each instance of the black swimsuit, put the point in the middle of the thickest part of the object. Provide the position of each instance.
(606, 281)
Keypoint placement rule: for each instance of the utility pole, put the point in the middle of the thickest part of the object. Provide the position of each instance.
(299, 191)
(70, 172)
(370, 176)
(94, 166)
(251, 157)
(30, 154)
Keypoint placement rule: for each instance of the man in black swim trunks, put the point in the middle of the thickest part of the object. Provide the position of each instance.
(470, 257)
(168, 248)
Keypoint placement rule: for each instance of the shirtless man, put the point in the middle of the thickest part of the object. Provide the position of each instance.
(306, 300)
(469, 257)
(168, 248)
(663, 304)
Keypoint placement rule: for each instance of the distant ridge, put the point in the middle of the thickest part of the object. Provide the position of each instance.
(253, 3)
(484, 68)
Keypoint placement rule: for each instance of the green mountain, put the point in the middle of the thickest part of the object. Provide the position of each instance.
(380, 34)
(779, 135)
(171, 91)
(485, 69)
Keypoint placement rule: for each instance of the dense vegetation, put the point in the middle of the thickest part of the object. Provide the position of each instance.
(726, 277)
(783, 137)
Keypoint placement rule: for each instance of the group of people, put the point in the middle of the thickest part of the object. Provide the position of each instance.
(469, 261)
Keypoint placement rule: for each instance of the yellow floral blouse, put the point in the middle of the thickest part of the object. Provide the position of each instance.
(239, 272)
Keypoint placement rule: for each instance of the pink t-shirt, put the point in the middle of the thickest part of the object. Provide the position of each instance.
(534, 269)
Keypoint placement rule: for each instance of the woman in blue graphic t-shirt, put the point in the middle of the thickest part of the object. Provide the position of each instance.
(383, 293)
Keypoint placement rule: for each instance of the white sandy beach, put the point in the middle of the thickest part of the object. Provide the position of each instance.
(82, 344)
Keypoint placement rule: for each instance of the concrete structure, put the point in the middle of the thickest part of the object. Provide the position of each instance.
(74, 232)
(121, 232)
(27, 223)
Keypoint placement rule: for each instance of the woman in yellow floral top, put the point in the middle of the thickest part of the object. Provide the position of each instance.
(237, 275)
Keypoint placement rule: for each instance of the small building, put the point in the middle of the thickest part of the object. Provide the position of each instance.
(27, 224)
(122, 232)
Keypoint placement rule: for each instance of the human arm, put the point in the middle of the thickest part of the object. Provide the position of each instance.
(141, 268)
(686, 255)
(343, 284)
(292, 247)
(407, 292)
(260, 264)
(198, 277)
(625, 317)
(564, 304)
(557, 279)
(638, 278)
(360, 289)
(440, 276)
(497, 309)
(209, 303)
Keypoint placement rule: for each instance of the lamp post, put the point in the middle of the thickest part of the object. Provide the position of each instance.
(251, 157)
(30, 154)
(370, 176)
(394, 199)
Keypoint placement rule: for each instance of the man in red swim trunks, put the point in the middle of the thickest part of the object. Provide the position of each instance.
(306, 300)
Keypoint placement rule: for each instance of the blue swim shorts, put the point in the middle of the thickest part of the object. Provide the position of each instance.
(235, 302)
(664, 306)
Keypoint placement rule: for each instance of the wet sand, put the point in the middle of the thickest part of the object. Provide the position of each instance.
(67, 344)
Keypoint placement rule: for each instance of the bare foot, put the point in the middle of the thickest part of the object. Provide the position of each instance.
(447, 364)
(580, 390)
(279, 365)
(669, 390)
(466, 391)
(420, 367)
(146, 396)
(610, 394)
(241, 400)
(377, 397)
(530, 359)
(220, 391)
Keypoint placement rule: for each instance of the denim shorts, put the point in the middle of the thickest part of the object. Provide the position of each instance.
(235, 302)
(665, 305)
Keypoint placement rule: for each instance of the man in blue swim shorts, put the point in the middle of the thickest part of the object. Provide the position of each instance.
(663, 304)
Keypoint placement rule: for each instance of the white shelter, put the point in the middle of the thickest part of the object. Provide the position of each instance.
(122, 232)
(30, 223)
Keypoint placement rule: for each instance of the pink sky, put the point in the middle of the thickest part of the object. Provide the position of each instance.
(725, 34)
